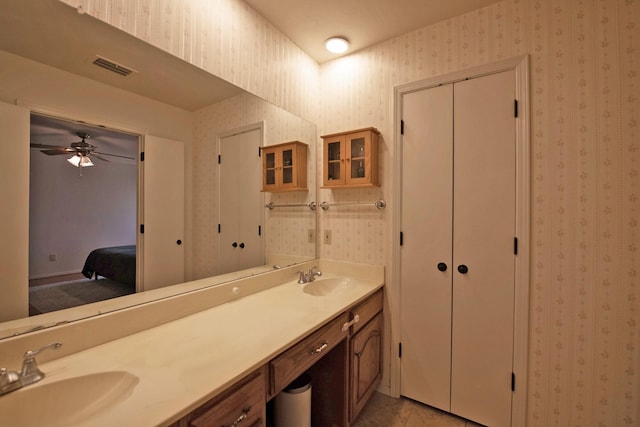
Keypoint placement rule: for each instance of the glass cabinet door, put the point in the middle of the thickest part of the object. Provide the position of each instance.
(270, 169)
(335, 157)
(358, 158)
(287, 166)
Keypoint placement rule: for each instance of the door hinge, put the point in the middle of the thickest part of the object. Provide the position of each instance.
(401, 127)
(513, 381)
(219, 228)
(401, 238)
(515, 246)
(219, 159)
(142, 156)
(515, 108)
(400, 350)
(141, 228)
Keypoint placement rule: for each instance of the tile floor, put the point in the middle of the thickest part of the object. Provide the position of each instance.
(385, 411)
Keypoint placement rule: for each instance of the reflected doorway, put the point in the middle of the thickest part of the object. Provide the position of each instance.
(74, 210)
(241, 203)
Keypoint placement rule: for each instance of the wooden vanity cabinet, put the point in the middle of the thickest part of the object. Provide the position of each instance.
(284, 167)
(243, 404)
(350, 159)
(343, 358)
(365, 353)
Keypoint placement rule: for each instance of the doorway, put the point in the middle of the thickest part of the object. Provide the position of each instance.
(521, 160)
(74, 210)
(241, 203)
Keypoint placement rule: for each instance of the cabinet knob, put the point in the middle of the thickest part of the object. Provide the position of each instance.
(241, 245)
(463, 269)
(234, 244)
(442, 266)
(178, 242)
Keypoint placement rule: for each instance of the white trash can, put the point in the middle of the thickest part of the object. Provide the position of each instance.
(293, 404)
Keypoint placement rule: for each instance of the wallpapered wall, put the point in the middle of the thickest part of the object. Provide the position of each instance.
(224, 37)
(585, 112)
(585, 56)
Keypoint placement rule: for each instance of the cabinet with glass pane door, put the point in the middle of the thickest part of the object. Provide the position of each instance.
(284, 167)
(350, 159)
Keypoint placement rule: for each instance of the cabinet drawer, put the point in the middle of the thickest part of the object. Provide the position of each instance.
(366, 310)
(244, 404)
(293, 362)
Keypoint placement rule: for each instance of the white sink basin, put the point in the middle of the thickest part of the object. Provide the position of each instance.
(66, 402)
(323, 287)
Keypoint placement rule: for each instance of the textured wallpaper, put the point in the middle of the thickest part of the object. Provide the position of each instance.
(585, 90)
(224, 37)
(585, 112)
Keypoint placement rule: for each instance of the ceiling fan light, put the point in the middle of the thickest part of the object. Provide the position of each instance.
(337, 44)
(75, 160)
(85, 161)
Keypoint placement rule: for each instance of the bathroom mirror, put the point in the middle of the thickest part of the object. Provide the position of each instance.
(214, 109)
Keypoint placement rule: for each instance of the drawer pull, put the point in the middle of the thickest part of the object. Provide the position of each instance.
(320, 349)
(242, 417)
(355, 320)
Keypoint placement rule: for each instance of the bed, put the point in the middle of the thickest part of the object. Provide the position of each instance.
(116, 263)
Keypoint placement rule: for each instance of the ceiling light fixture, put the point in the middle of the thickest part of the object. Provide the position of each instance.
(337, 44)
(80, 161)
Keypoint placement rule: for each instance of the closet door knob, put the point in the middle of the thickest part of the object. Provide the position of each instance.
(241, 245)
(463, 269)
(442, 266)
(234, 244)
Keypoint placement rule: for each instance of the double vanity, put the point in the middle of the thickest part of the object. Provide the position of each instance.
(222, 365)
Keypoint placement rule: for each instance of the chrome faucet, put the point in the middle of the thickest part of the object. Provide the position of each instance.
(29, 374)
(310, 276)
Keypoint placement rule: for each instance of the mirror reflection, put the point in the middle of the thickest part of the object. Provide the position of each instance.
(177, 102)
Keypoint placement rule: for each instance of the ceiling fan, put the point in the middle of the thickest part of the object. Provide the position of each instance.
(80, 150)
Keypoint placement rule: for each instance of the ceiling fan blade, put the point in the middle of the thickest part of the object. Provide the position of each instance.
(57, 151)
(99, 157)
(113, 155)
(47, 146)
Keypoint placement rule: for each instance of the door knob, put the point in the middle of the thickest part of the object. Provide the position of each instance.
(241, 245)
(442, 266)
(234, 244)
(463, 269)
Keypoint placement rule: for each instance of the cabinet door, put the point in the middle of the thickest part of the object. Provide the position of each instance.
(334, 159)
(269, 179)
(366, 363)
(287, 157)
(358, 158)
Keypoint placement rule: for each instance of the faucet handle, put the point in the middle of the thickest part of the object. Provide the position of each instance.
(30, 372)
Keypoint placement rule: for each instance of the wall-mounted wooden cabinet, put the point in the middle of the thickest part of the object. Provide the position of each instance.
(350, 159)
(284, 167)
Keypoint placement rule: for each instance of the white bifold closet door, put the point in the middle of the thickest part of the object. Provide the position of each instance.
(457, 259)
(241, 203)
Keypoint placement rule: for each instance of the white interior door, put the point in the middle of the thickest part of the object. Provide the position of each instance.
(458, 211)
(162, 251)
(241, 202)
(483, 241)
(14, 212)
(426, 224)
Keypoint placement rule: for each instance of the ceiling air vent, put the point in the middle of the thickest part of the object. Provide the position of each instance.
(112, 66)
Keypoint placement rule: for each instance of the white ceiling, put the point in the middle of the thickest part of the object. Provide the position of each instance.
(308, 23)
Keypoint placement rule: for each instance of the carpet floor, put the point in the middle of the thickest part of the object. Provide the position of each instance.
(58, 296)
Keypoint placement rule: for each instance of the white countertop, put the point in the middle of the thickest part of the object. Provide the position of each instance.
(184, 363)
